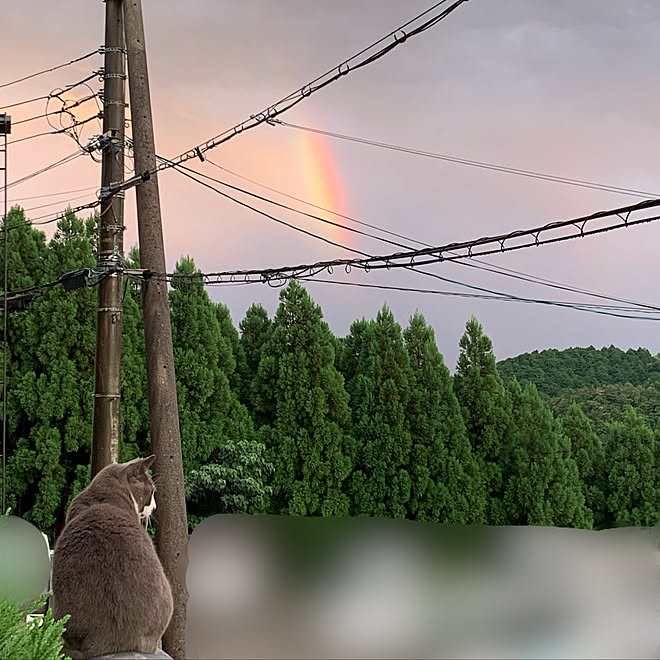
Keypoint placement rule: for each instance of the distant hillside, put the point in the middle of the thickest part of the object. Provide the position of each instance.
(553, 371)
(608, 403)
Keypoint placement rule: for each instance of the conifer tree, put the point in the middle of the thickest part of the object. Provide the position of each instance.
(27, 252)
(203, 362)
(55, 392)
(229, 332)
(543, 487)
(380, 391)
(445, 482)
(255, 331)
(486, 412)
(632, 478)
(216, 429)
(587, 450)
(300, 387)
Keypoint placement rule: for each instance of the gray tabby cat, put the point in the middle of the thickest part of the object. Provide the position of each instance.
(106, 573)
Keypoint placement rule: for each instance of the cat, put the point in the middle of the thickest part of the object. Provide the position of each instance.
(105, 570)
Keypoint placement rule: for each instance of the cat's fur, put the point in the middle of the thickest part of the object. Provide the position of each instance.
(106, 573)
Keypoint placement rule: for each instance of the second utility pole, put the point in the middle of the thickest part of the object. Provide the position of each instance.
(107, 393)
(171, 522)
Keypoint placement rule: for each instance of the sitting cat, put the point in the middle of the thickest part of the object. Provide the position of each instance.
(106, 573)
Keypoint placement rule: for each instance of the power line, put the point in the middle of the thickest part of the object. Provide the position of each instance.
(608, 310)
(77, 279)
(316, 206)
(289, 208)
(474, 163)
(440, 254)
(518, 276)
(57, 194)
(58, 203)
(185, 173)
(585, 307)
(54, 68)
(65, 109)
(45, 97)
(395, 38)
(58, 131)
(52, 166)
(472, 263)
(40, 220)
(582, 307)
(59, 216)
(180, 168)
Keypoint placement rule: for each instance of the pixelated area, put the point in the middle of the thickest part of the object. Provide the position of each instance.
(24, 561)
(269, 587)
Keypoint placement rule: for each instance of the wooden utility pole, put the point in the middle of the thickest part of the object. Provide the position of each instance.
(172, 525)
(107, 392)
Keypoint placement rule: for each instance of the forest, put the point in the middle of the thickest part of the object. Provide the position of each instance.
(280, 416)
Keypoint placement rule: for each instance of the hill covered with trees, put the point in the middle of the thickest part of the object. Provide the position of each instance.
(553, 371)
(279, 416)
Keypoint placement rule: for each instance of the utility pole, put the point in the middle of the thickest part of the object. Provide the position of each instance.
(5, 130)
(107, 392)
(172, 524)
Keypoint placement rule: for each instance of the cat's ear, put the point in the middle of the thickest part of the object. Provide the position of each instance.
(139, 465)
(146, 463)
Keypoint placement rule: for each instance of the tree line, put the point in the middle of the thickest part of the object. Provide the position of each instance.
(553, 371)
(280, 416)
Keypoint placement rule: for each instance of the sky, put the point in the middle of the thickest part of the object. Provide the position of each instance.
(563, 87)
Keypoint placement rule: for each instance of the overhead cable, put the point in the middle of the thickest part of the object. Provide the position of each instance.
(474, 262)
(366, 56)
(609, 310)
(415, 268)
(464, 249)
(467, 262)
(52, 166)
(45, 97)
(475, 163)
(186, 172)
(53, 68)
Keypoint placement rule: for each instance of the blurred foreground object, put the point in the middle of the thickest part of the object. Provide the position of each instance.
(24, 561)
(270, 587)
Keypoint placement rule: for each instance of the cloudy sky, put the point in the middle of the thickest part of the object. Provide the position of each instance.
(563, 87)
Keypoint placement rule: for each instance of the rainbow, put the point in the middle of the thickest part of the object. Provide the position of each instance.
(323, 185)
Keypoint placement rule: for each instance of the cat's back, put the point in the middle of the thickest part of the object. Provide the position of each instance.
(108, 536)
(106, 574)
(104, 551)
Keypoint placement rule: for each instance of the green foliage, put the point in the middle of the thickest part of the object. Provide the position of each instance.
(543, 485)
(237, 484)
(230, 334)
(255, 329)
(487, 413)
(553, 371)
(587, 450)
(287, 418)
(609, 403)
(632, 472)
(40, 639)
(51, 403)
(380, 381)
(298, 384)
(224, 463)
(443, 470)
